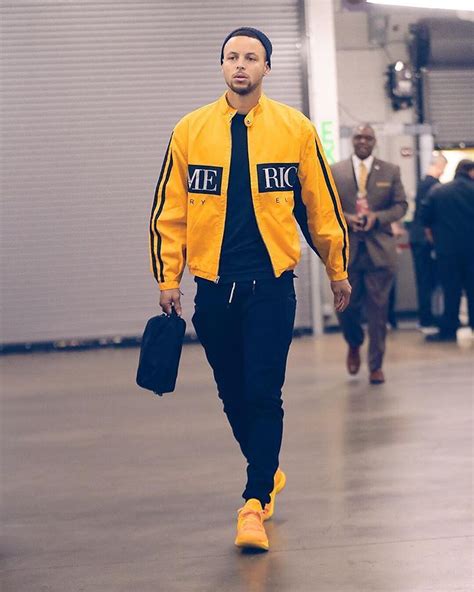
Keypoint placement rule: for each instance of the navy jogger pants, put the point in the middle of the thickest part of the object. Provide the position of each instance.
(246, 330)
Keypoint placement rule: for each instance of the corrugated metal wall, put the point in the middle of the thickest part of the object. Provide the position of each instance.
(448, 97)
(90, 92)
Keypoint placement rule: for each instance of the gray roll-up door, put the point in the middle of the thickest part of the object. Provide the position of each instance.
(447, 95)
(443, 53)
(90, 91)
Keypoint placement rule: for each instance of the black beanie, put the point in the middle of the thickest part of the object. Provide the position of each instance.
(250, 32)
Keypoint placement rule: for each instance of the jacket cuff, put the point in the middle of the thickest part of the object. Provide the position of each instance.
(171, 285)
(338, 276)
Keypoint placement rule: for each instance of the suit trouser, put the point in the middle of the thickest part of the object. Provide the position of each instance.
(246, 331)
(370, 288)
(456, 271)
(425, 274)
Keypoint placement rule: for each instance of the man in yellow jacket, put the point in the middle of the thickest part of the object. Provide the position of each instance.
(236, 177)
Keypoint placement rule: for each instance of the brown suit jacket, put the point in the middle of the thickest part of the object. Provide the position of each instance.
(386, 198)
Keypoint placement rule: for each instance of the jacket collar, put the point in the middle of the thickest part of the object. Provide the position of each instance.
(229, 111)
(376, 164)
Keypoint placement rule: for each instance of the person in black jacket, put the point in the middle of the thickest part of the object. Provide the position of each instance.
(421, 248)
(448, 214)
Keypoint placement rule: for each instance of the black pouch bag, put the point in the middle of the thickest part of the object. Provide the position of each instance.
(160, 353)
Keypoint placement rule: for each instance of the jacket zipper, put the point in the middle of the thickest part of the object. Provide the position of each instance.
(216, 281)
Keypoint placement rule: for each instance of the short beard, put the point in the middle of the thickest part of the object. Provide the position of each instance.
(243, 91)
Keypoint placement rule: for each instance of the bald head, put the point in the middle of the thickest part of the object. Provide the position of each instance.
(438, 158)
(438, 163)
(362, 128)
(363, 140)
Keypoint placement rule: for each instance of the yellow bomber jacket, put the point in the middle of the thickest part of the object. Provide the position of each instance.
(290, 182)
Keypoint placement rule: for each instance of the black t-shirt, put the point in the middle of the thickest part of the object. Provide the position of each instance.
(244, 255)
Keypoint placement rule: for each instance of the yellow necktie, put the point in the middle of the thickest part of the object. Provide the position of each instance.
(363, 174)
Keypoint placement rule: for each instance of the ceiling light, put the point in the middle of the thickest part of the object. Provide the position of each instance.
(440, 4)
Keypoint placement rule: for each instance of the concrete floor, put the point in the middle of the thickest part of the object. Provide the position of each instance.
(107, 488)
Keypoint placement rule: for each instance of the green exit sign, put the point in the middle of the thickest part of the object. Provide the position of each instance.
(327, 139)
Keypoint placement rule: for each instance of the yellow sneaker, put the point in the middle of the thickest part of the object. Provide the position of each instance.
(279, 483)
(250, 531)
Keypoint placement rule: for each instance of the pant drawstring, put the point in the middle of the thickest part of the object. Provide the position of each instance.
(253, 286)
(232, 293)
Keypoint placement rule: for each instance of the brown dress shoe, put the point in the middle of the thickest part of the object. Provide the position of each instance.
(377, 377)
(353, 360)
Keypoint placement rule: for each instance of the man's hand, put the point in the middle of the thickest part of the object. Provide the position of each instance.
(371, 219)
(342, 294)
(354, 222)
(170, 299)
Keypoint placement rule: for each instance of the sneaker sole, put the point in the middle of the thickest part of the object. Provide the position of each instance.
(243, 544)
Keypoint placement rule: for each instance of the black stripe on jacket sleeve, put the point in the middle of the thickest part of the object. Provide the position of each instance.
(154, 217)
(163, 197)
(334, 203)
(301, 216)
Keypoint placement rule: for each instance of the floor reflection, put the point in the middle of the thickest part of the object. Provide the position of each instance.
(255, 571)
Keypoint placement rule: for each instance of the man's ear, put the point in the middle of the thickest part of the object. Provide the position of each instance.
(267, 69)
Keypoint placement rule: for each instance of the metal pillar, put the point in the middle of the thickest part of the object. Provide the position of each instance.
(322, 91)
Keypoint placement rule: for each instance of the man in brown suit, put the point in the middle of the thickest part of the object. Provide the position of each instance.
(372, 197)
